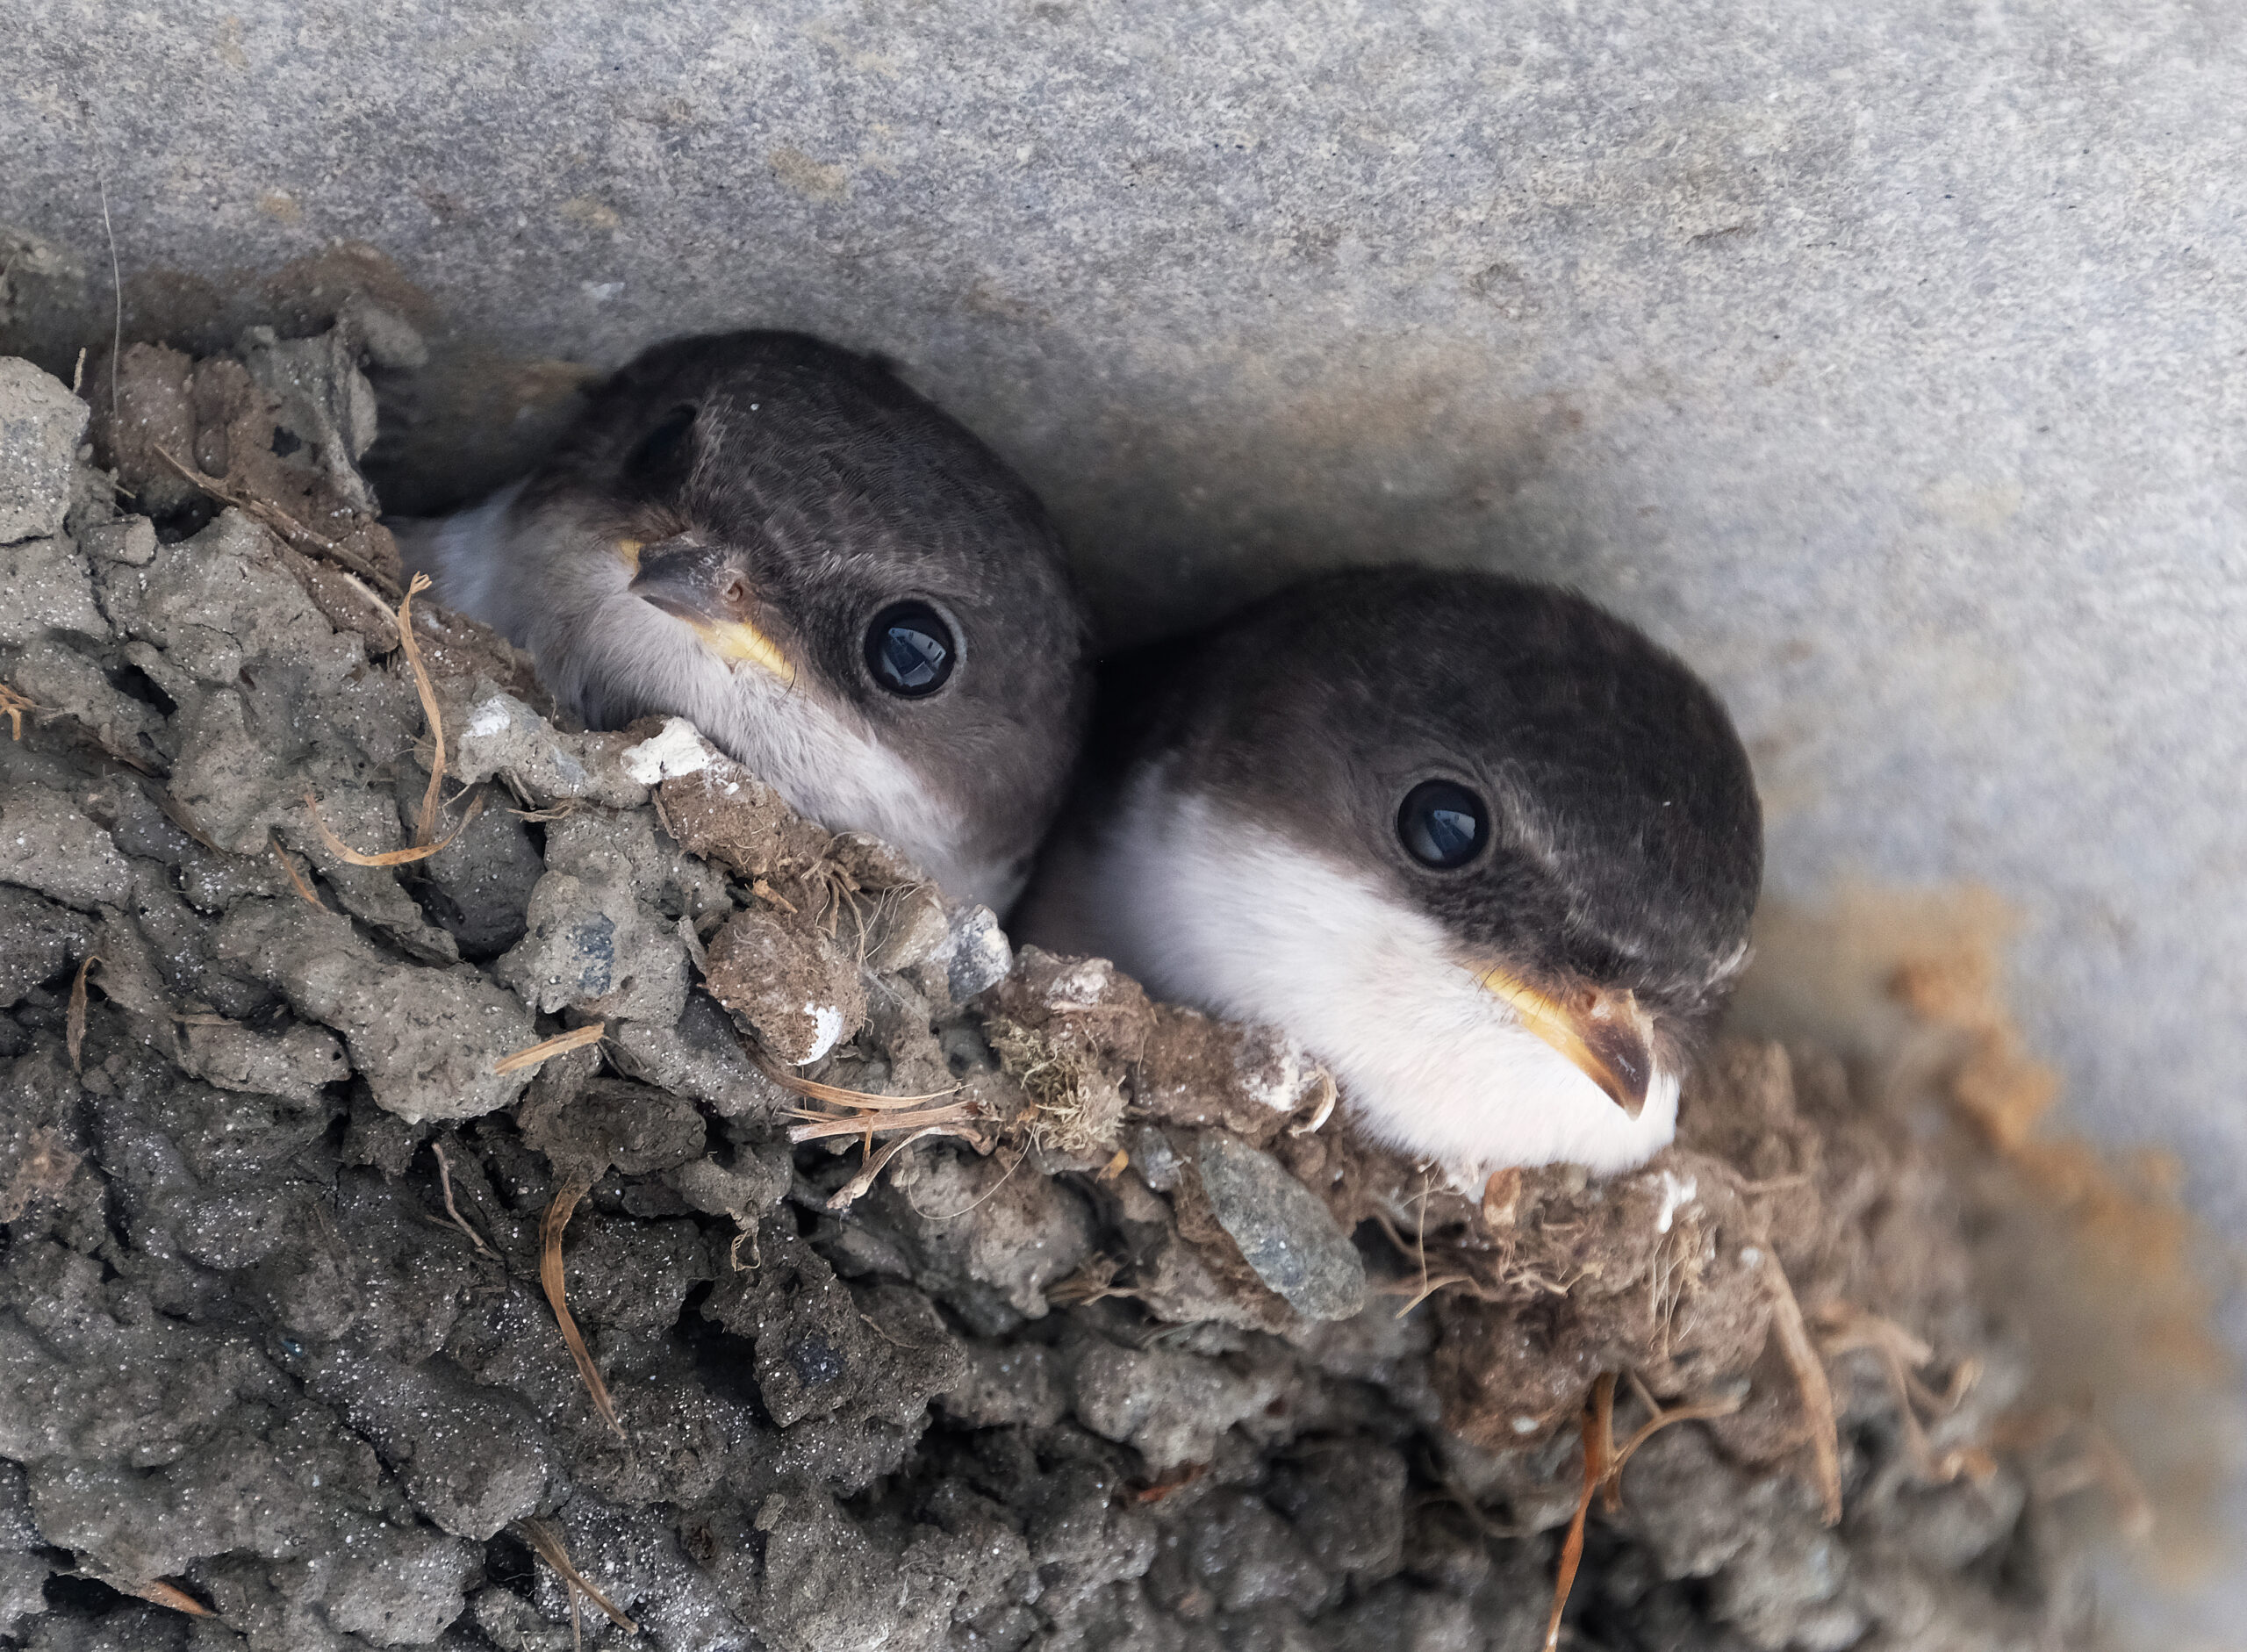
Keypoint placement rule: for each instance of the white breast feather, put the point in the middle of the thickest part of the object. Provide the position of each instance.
(1221, 912)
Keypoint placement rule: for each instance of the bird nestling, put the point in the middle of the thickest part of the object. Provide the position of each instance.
(1483, 848)
(834, 581)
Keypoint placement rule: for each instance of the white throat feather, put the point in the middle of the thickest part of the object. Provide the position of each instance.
(1211, 909)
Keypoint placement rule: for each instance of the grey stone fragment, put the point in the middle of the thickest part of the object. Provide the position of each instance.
(41, 424)
(701, 1057)
(1283, 1230)
(45, 588)
(1171, 1405)
(130, 539)
(974, 952)
(215, 601)
(38, 940)
(1010, 1384)
(496, 734)
(297, 1064)
(593, 947)
(326, 401)
(749, 1185)
(472, 1458)
(63, 679)
(47, 845)
(425, 1039)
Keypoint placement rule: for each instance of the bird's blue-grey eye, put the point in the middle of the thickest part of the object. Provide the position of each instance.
(910, 650)
(1442, 824)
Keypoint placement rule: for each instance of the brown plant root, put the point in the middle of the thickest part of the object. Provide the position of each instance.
(424, 824)
(2095, 1461)
(426, 840)
(342, 850)
(1603, 1472)
(1659, 1417)
(543, 1538)
(74, 1019)
(184, 818)
(296, 878)
(12, 707)
(272, 517)
(866, 1115)
(1850, 1330)
(859, 1186)
(1177, 1480)
(549, 1275)
(157, 1593)
(1094, 1282)
(1598, 1429)
(1810, 1378)
(1416, 1252)
(445, 1182)
(547, 1049)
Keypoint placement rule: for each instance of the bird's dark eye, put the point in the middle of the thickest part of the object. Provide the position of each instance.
(1442, 824)
(909, 650)
(665, 456)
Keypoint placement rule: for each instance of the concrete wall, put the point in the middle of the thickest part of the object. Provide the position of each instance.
(1890, 361)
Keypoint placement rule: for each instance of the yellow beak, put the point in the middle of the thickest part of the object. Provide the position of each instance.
(743, 643)
(682, 581)
(1606, 1035)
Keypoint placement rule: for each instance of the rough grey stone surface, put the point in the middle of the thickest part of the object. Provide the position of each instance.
(1283, 1232)
(40, 424)
(1884, 360)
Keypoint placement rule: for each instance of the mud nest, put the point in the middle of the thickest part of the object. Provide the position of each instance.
(472, 1181)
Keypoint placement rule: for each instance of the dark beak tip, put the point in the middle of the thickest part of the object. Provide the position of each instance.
(1626, 1066)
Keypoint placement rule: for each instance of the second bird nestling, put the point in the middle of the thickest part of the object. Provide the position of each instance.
(1482, 847)
(837, 584)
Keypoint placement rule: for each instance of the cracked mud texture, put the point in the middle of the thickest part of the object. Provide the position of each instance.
(1116, 1362)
